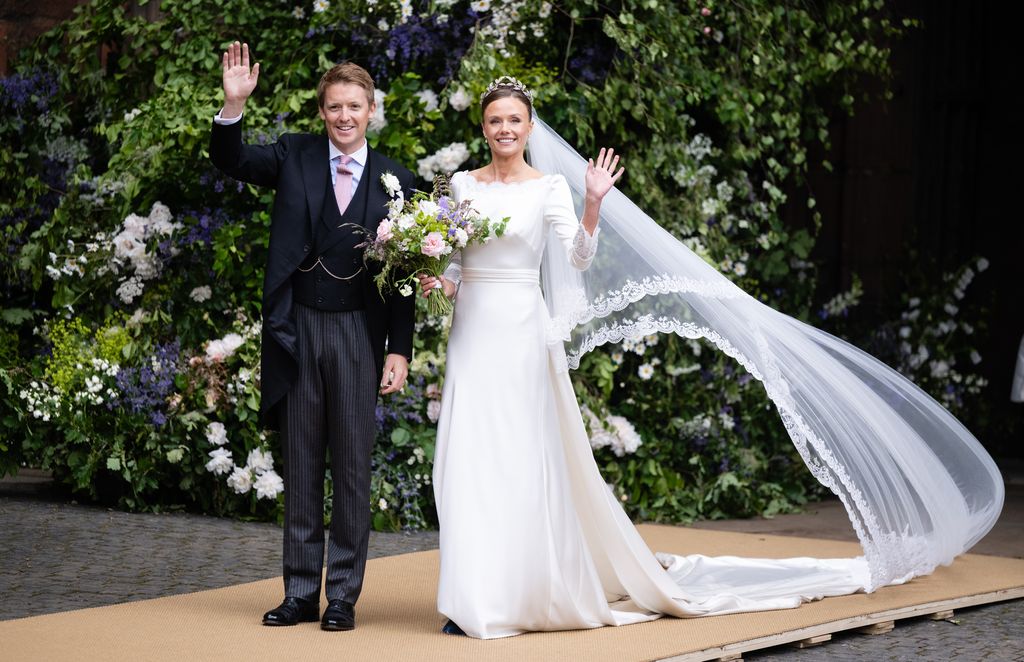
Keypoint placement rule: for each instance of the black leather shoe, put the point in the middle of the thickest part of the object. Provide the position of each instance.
(292, 611)
(339, 615)
(451, 628)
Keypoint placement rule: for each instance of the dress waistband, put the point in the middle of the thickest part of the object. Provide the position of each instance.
(500, 275)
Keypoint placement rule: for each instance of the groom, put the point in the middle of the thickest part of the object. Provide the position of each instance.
(325, 326)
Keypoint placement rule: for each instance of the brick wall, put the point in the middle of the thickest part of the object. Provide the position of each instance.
(21, 21)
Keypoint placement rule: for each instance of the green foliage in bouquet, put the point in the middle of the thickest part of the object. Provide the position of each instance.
(132, 269)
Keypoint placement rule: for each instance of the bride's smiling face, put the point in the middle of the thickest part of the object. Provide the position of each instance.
(507, 125)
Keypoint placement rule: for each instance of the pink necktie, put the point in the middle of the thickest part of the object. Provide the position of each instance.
(343, 183)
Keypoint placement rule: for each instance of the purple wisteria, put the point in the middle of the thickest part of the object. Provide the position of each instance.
(145, 388)
(35, 87)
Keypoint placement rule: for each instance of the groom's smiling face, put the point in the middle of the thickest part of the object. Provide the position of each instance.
(346, 113)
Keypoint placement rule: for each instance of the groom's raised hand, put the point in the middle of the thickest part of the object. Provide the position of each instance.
(238, 79)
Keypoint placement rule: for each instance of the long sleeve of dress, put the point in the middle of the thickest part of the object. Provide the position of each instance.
(560, 215)
(454, 270)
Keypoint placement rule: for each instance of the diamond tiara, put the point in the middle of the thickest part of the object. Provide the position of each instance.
(509, 82)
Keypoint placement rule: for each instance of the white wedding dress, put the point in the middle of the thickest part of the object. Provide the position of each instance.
(531, 537)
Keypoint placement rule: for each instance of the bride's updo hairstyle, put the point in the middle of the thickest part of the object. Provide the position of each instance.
(503, 87)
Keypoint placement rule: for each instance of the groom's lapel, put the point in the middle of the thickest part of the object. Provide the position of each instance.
(315, 161)
(376, 197)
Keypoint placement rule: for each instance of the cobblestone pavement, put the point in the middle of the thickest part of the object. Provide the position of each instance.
(57, 556)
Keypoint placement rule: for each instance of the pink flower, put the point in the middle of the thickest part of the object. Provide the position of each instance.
(433, 245)
(707, 30)
(384, 230)
(705, 12)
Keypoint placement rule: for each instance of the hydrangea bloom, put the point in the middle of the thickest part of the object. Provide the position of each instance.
(220, 461)
(268, 485)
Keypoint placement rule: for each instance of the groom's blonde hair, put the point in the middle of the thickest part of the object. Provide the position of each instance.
(345, 72)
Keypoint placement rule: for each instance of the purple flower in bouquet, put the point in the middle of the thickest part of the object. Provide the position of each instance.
(421, 234)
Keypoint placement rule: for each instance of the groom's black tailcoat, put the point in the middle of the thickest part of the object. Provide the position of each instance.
(319, 333)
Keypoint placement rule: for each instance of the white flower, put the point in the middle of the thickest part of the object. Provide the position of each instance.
(146, 266)
(216, 434)
(132, 114)
(391, 184)
(461, 237)
(429, 99)
(975, 357)
(129, 289)
(218, 350)
(950, 309)
(382, 504)
(645, 371)
(405, 290)
(320, 6)
(446, 159)
(651, 340)
(545, 10)
(433, 391)
(127, 244)
(428, 207)
(617, 358)
(480, 6)
(160, 217)
(904, 332)
(299, 13)
(268, 485)
(459, 100)
(982, 264)
(406, 221)
(740, 268)
(220, 461)
(201, 293)
(427, 166)
(259, 461)
(451, 157)
(709, 207)
(378, 121)
(434, 410)
(939, 369)
(240, 480)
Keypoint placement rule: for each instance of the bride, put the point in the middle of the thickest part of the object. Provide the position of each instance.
(531, 538)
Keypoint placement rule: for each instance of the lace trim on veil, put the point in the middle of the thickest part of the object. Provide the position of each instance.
(890, 556)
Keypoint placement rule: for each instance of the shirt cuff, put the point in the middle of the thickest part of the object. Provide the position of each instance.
(226, 120)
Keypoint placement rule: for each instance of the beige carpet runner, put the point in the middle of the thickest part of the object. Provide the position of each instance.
(396, 617)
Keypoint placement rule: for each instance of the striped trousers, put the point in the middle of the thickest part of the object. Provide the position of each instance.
(329, 413)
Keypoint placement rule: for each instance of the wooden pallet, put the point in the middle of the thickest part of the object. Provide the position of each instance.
(875, 623)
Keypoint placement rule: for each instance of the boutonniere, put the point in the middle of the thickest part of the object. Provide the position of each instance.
(394, 190)
(391, 185)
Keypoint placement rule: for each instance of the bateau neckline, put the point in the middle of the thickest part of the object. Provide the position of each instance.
(476, 182)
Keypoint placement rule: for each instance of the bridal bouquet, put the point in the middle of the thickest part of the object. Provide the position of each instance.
(420, 235)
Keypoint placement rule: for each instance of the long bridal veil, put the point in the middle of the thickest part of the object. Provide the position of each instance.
(918, 487)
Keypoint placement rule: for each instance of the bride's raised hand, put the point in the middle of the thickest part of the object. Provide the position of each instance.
(238, 79)
(601, 174)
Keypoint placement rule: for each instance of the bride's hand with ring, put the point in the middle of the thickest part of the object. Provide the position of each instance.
(429, 283)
